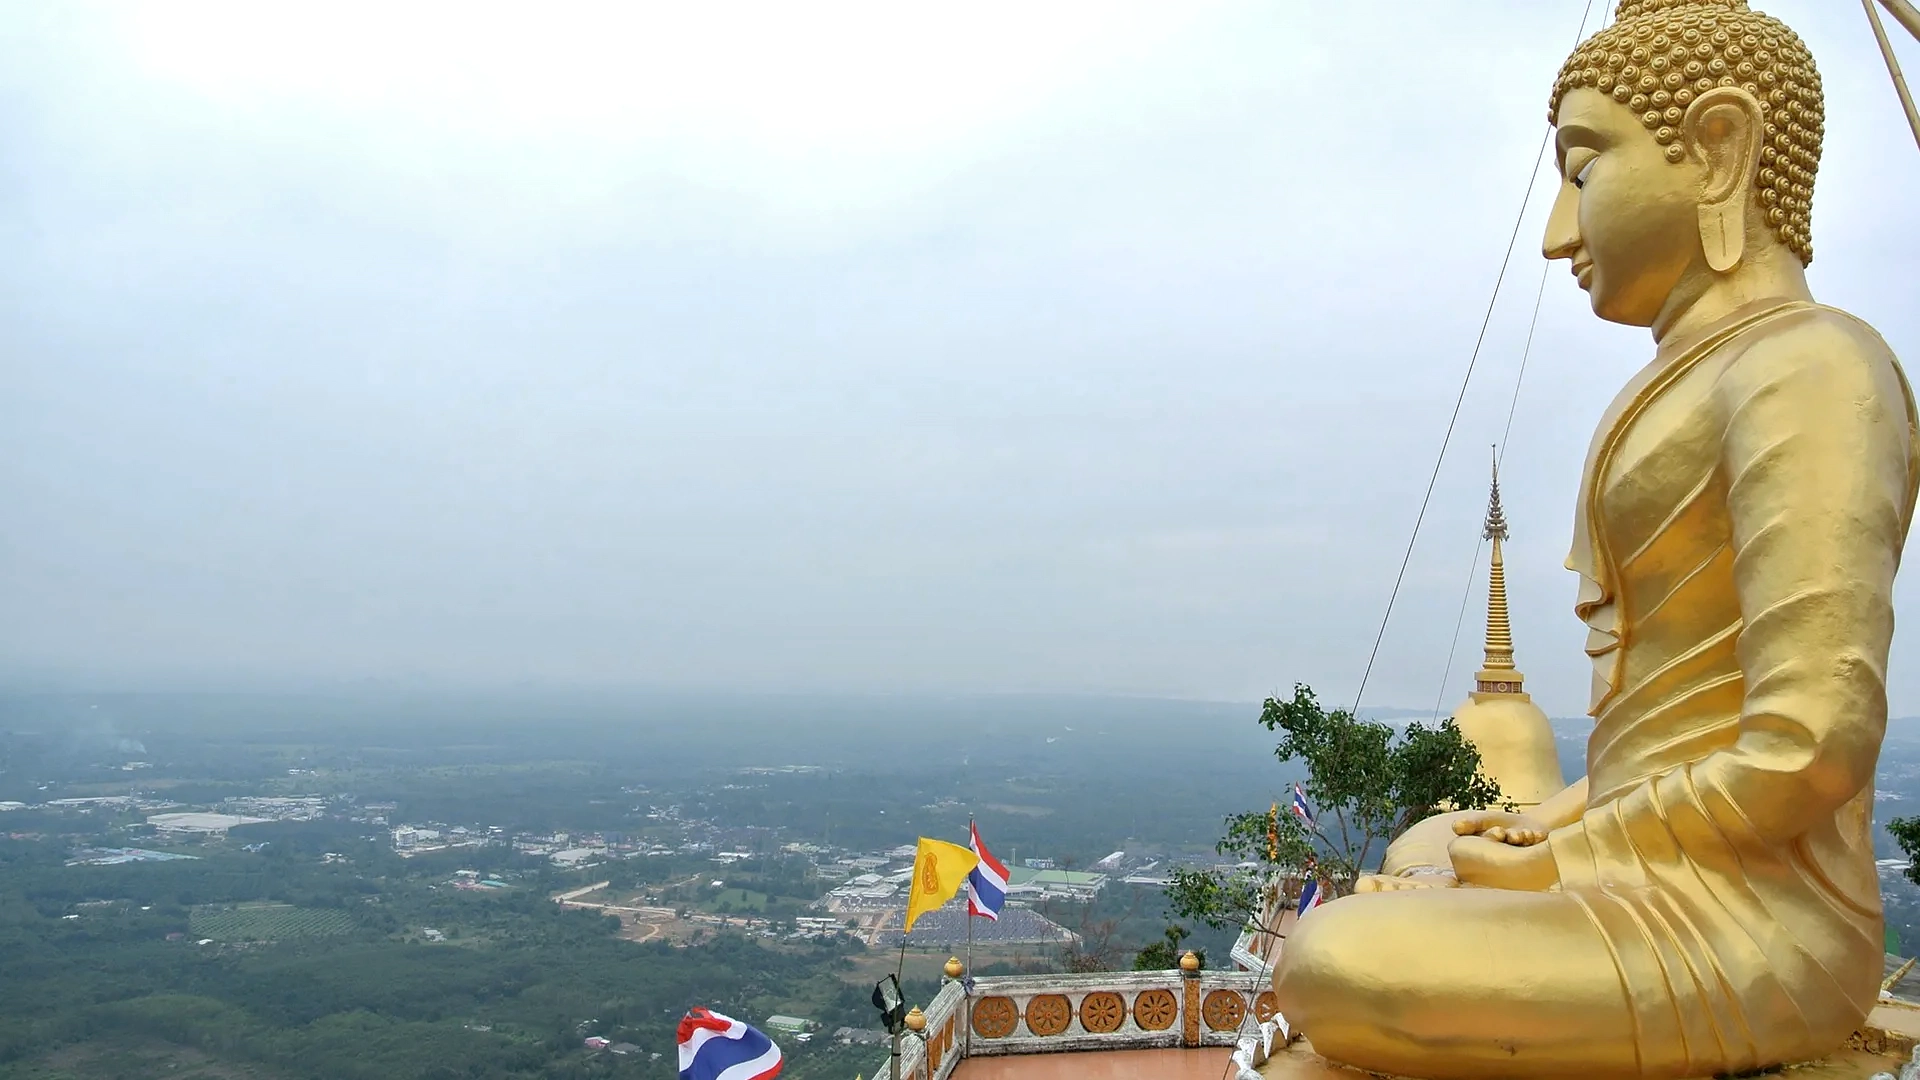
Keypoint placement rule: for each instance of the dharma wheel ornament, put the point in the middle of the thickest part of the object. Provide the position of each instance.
(996, 1017)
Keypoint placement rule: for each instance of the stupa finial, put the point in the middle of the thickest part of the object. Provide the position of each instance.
(1496, 520)
(1499, 630)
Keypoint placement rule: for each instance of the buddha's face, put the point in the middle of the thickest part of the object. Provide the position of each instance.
(1625, 217)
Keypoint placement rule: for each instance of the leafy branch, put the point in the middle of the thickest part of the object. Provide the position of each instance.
(1367, 784)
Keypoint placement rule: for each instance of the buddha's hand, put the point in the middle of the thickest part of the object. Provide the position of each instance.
(1434, 879)
(1501, 828)
(1500, 864)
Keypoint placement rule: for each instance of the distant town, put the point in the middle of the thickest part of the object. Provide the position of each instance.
(859, 893)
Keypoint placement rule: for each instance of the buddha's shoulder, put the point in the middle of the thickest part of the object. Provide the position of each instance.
(1816, 347)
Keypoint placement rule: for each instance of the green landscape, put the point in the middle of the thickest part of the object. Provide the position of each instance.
(314, 948)
(397, 915)
(340, 985)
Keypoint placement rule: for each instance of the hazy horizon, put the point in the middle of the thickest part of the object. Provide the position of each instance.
(348, 700)
(1090, 349)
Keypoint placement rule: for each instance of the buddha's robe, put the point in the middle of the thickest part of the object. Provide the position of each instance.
(1743, 510)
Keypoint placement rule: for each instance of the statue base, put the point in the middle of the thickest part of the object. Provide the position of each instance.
(1884, 1043)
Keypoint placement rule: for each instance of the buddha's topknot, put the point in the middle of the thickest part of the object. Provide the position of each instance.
(1630, 8)
(1660, 54)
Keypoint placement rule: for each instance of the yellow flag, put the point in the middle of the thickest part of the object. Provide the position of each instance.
(939, 869)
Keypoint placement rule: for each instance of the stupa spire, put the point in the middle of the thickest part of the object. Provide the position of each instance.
(1498, 675)
(1499, 718)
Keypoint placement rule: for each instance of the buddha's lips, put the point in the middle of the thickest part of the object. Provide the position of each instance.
(1583, 270)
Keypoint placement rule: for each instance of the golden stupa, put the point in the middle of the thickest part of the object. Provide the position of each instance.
(1704, 902)
(1511, 733)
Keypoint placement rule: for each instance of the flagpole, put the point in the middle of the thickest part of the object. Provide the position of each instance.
(969, 910)
(966, 984)
(969, 942)
(899, 969)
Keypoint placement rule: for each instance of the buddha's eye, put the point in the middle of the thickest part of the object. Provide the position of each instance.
(1580, 177)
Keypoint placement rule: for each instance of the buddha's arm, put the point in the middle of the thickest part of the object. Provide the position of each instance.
(1815, 456)
(1562, 808)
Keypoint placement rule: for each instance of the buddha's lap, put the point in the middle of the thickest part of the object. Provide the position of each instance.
(1500, 948)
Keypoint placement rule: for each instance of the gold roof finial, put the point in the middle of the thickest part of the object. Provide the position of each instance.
(1496, 520)
(1511, 733)
(1499, 629)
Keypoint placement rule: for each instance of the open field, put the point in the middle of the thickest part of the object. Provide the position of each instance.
(266, 922)
(656, 924)
(641, 920)
(738, 900)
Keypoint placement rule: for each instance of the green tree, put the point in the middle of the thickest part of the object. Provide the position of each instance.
(1906, 832)
(1165, 955)
(1366, 785)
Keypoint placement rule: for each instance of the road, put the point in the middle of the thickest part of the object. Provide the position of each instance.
(577, 893)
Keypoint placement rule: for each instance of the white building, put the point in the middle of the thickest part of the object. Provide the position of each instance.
(200, 824)
(407, 836)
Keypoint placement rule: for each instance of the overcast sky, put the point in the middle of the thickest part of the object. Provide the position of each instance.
(1015, 347)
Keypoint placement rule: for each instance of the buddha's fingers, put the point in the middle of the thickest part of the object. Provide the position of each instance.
(1377, 883)
(1385, 883)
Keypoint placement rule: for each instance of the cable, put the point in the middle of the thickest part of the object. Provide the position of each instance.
(1500, 455)
(1466, 594)
(1266, 962)
(1440, 459)
(1526, 352)
(1467, 380)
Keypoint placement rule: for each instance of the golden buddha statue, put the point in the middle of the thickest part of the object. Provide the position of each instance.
(1499, 718)
(1704, 901)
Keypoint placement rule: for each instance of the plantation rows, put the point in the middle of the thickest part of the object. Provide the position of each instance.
(266, 922)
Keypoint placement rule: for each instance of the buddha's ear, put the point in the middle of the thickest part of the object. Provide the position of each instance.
(1723, 130)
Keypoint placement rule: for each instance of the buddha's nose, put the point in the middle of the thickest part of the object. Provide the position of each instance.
(1563, 225)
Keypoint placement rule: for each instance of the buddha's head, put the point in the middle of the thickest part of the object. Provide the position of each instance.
(1688, 133)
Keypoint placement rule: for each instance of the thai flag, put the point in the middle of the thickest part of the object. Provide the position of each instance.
(1300, 808)
(1310, 897)
(987, 884)
(715, 1047)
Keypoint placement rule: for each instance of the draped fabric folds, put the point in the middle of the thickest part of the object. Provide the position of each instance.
(1745, 504)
